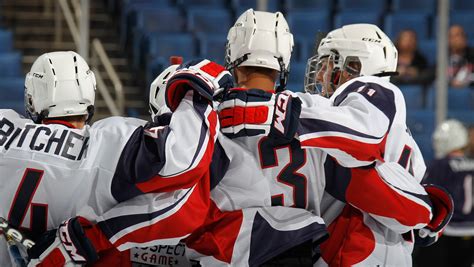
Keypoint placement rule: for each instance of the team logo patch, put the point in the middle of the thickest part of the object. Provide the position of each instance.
(160, 256)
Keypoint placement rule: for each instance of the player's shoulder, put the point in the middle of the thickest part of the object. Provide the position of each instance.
(316, 100)
(117, 122)
(377, 90)
(372, 81)
(117, 125)
(10, 116)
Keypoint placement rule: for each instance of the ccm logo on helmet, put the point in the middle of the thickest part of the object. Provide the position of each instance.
(37, 75)
(371, 40)
(280, 112)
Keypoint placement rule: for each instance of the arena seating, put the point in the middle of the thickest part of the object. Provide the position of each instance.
(153, 30)
(11, 75)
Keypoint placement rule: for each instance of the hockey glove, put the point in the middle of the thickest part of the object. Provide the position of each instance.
(253, 112)
(205, 77)
(68, 245)
(443, 209)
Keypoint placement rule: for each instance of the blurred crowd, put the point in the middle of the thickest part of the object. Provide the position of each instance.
(413, 67)
(453, 167)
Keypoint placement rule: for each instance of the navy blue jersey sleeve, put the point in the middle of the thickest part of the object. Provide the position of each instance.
(170, 157)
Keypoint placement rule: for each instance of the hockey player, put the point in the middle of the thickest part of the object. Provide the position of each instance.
(366, 122)
(54, 166)
(331, 126)
(226, 232)
(454, 171)
(235, 219)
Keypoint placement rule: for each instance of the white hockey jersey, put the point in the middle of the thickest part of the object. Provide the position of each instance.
(53, 172)
(299, 174)
(241, 228)
(363, 123)
(366, 118)
(239, 220)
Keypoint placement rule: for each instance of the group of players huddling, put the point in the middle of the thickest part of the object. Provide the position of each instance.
(231, 163)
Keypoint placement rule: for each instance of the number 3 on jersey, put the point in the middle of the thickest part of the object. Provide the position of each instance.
(288, 175)
(22, 202)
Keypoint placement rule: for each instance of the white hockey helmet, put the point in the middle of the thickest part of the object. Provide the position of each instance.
(260, 39)
(157, 92)
(59, 84)
(449, 136)
(362, 43)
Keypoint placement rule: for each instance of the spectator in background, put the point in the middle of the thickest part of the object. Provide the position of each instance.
(455, 172)
(461, 58)
(412, 65)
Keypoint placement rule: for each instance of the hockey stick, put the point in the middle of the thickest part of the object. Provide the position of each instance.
(14, 238)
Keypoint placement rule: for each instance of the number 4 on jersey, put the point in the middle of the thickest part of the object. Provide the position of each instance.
(22, 202)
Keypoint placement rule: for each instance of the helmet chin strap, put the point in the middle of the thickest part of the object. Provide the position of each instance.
(90, 113)
(35, 117)
(334, 81)
(232, 65)
(283, 75)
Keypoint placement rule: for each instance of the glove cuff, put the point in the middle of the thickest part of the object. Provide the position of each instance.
(94, 234)
(203, 76)
(176, 89)
(74, 239)
(442, 207)
(286, 117)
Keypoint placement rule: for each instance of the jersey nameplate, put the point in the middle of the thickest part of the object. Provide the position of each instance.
(60, 142)
(465, 165)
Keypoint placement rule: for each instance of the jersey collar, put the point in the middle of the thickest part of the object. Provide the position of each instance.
(65, 123)
(246, 89)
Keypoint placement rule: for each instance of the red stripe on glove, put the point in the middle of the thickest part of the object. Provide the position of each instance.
(442, 207)
(212, 69)
(243, 115)
(176, 92)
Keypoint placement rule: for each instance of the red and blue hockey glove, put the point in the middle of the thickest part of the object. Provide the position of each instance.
(442, 209)
(68, 245)
(253, 112)
(205, 77)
